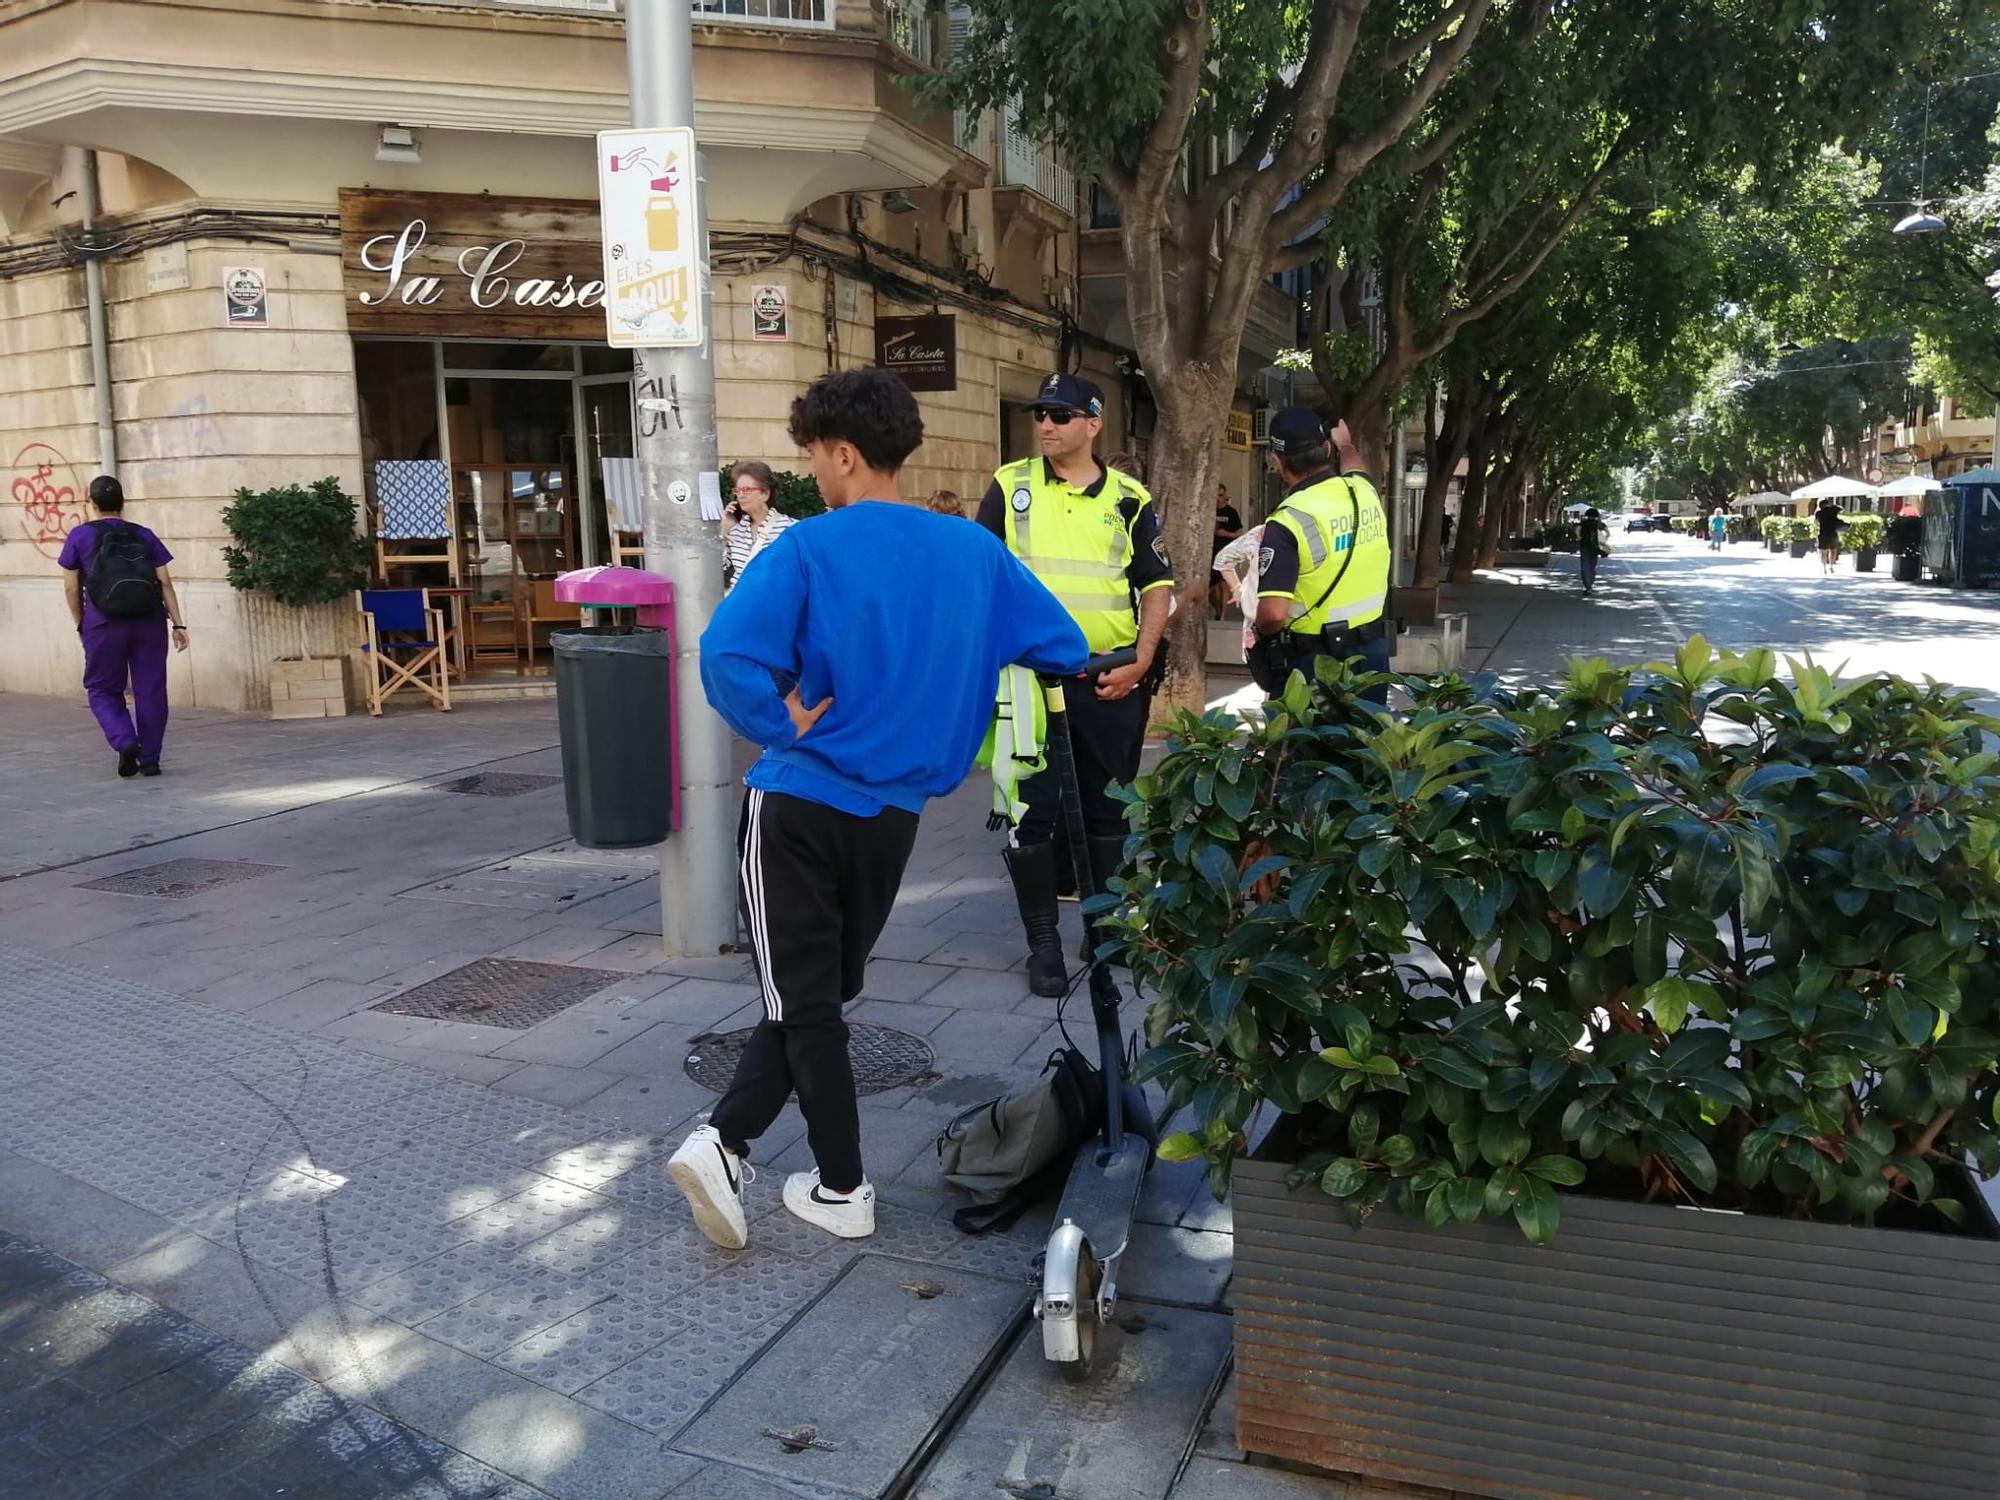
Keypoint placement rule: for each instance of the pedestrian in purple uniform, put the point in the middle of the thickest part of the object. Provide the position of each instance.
(119, 644)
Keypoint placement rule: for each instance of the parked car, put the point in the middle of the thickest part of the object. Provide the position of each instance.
(1638, 523)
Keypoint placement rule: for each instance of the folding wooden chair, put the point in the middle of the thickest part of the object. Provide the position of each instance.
(403, 645)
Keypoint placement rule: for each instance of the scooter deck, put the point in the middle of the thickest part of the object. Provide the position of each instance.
(1102, 1194)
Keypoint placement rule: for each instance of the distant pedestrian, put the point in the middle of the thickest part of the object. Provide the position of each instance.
(1830, 524)
(1444, 537)
(1718, 529)
(1228, 527)
(946, 503)
(896, 668)
(124, 606)
(1590, 546)
(749, 523)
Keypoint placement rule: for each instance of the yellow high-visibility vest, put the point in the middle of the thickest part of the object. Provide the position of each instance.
(1329, 519)
(1078, 545)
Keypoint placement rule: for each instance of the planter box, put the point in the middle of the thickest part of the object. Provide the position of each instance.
(1864, 560)
(1908, 567)
(313, 688)
(1802, 549)
(1776, 544)
(1522, 559)
(1650, 1353)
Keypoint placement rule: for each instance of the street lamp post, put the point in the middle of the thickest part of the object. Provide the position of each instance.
(675, 444)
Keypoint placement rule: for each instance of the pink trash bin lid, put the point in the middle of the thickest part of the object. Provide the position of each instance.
(626, 588)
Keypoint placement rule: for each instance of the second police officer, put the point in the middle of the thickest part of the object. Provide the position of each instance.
(1323, 569)
(1092, 536)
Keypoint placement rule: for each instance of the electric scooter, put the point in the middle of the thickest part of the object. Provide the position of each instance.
(1094, 1219)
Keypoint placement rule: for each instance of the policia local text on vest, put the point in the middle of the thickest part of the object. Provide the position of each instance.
(1092, 536)
(1323, 566)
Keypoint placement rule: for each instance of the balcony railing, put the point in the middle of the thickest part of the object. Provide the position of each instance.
(814, 14)
(908, 24)
(1025, 163)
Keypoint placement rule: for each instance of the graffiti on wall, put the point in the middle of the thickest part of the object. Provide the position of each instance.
(51, 498)
(162, 445)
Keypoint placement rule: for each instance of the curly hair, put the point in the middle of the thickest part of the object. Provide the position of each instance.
(872, 409)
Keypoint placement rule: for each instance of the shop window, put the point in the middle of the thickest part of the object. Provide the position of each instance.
(397, 383)
(511, 359)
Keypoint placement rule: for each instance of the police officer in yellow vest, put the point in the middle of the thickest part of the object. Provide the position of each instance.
(1092, 535)
(1323, 566)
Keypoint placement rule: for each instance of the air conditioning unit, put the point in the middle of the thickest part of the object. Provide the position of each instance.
(1260, 427)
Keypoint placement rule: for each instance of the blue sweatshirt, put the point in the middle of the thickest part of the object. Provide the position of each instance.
(905, 619)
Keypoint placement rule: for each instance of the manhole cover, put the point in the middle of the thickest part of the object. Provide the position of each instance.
(178, 879)
(507, 992)
(498, 784)
(883, 1058)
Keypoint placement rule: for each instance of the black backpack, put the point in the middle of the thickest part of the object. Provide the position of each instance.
(120, 578)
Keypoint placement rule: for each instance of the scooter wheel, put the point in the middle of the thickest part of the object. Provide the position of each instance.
(1089, 1276)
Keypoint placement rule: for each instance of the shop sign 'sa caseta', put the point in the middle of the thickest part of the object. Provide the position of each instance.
(652, 238)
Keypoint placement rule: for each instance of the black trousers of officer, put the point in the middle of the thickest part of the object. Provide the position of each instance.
(1108, 737)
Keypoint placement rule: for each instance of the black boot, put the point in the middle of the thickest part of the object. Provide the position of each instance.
(1107, 858)
(1033, 871)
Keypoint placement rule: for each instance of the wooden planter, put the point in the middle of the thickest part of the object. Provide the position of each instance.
(1650, 1353)
(312, 688)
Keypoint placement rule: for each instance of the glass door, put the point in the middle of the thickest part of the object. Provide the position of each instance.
(614, 518)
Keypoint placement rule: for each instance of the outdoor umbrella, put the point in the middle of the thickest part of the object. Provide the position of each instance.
(1833, 488)
(1911, 484)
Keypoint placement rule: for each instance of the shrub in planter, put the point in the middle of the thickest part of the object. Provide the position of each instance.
(1776, 531)
(1863, 536)
(299, 544)
(1560, 536)
(1804, 534)
(1517, 943)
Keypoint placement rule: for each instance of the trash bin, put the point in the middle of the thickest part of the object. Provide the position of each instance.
(615, 708)
(1962, 530)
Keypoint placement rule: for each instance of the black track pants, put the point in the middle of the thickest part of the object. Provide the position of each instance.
(817, 886)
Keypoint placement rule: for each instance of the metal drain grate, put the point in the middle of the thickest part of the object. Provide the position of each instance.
(883, 1058)
(178, 879)
(508, 992)
(498, 784)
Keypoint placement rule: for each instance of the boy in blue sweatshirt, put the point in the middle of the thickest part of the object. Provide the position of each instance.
(895, 624)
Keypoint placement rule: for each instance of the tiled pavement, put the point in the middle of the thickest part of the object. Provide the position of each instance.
(462, 1228)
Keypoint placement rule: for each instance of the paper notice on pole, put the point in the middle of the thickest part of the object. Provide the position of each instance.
(708, 484)
(652, 238)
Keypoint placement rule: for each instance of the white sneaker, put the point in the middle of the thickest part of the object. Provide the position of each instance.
(849, 1215)
(712, 1178)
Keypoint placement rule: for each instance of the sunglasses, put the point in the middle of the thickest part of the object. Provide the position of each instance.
(1057, 418)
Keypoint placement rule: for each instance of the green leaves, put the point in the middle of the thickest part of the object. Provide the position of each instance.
(1614, 955)
(299, 545)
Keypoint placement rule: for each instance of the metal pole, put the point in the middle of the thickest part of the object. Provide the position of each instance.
(675, 444)
(100, 339)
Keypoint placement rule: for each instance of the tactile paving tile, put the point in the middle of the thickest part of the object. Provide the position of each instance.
(760, 1288)
(497, 784)
(541, 1209)
(604, 1159)
(497, 1320)
(592, 1344)
(434, 1287)
(900, 1231)
(508, 992)
(662, 1389)
(178, 879)
(883, 1057)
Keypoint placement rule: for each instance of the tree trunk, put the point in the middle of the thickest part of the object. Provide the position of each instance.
(1472, 507)
(1446, 450)
(1180, 469)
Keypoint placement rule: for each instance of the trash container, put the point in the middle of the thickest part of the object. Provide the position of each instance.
(615, 708)
(1962, 530)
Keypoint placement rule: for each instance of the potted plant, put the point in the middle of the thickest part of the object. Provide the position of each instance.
(1621, 1071)
(300, 546)
(1863, 533)
(1905, 541)
(1777, 531)
(1560, 536)
(1803, 531)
